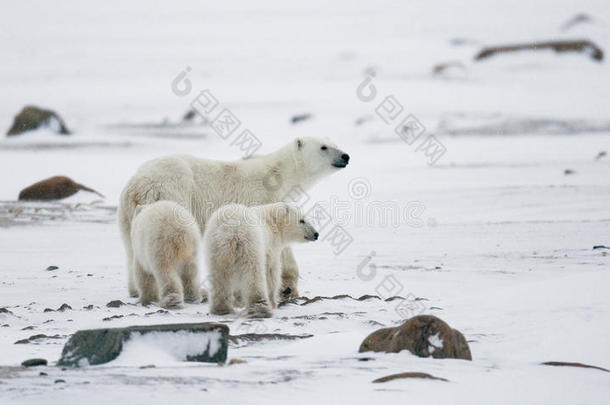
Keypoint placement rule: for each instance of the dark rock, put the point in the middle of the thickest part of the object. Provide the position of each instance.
(48, 310)
(59, 381)
(601, 154)
(567, 172)
(5, 311)
(34, 362)
(422, 335)
(31, 118)
(115, 304)
(368, 297)
(594, 248)
(53, 188)
(257, 337)
(88, 307)
(583, 46)
(110, 318)
(42, 373)
(37, 337)
(29, 327)
(568, 364)
(64, 307)
(442, 68)
(408, 374)
(98, 346)
(576, 20)
(51, 268)
(300, 117)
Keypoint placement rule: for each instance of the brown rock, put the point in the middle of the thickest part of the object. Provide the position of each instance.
(409, 374)
(422, 335)
(568, 364)
(583, 46)
(31, 118)
(53, 188)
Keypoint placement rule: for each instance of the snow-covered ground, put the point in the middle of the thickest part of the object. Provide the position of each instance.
(494, 238)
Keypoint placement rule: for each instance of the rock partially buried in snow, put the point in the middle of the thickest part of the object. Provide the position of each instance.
(98, 346)
(32, 118)
(53, 188)
(423, 335)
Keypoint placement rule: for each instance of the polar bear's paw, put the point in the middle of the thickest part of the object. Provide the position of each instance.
(194, 298)
(172, 301)
(259, 310)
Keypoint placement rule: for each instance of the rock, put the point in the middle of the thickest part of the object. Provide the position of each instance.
(64, 307)
(53, 188)
(237, 361)
(601, 154)
(258, 337)
(59, 381)
(447, 67)
(583, 46)
(51, 268)
(115, 304)
(34, 362)
(594, 248)
(422, 335)
(300, 118)
(99, 346)
(576, 20)
(31, 118)
(5, 311)
(409, 374)
(568, 172)
(568, 364)
(36, 337)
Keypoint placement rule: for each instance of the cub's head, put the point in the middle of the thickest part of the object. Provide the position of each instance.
(293, 225)
(318, 156)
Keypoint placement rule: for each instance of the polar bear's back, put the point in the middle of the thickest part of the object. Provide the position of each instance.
(163, 234)
(234, 236)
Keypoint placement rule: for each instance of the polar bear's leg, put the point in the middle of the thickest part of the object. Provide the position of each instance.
(170, 287)
(125, 228)
(190, 282)
(290, 275)
(255, 294)
(147, 286)
(221, 294)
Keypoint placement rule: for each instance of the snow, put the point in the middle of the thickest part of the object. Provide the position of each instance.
(166, 348)
(499, 241)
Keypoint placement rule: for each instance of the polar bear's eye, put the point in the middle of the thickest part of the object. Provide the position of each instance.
(301, 222)
(324, 147)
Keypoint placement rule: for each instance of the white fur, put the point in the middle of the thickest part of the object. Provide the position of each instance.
(202, 186)
(243, 248)
(166, 241)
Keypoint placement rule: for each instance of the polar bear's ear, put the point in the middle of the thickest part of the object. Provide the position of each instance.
(299, 143)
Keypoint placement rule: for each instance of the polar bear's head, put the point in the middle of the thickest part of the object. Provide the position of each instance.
(292, 224)
(318, 157)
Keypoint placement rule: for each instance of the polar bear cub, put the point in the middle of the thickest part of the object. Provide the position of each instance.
(243, 247)
(165, 239)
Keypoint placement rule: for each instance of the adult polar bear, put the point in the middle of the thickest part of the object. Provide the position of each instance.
(202, 186)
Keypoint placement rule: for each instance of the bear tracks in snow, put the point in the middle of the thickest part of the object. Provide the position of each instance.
(422, 335)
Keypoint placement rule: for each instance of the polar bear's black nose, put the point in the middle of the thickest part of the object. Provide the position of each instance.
(315, 236)
(345, 157)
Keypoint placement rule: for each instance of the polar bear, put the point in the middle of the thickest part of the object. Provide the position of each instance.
(165, 244)
(202, 186)
(243, 247)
